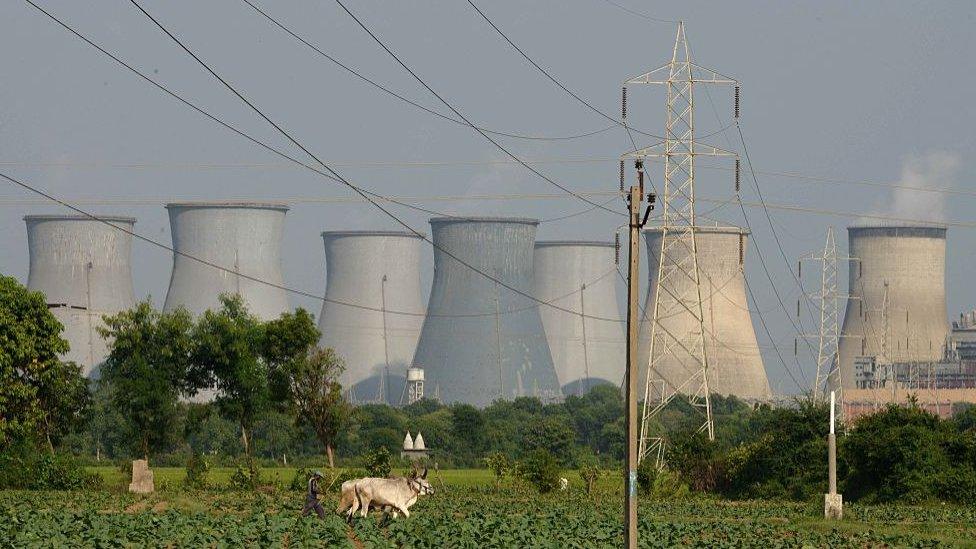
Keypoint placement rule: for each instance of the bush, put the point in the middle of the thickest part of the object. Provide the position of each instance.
(660, 484)
(378, 462)
(499, 464)
(26, 468)
(590, 472)
(246, 477)
(197, 472)
(542, 470)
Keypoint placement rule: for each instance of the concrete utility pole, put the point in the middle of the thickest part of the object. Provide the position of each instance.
(833, 502)
(634, 201)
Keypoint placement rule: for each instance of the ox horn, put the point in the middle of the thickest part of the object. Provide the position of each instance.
(425, 472)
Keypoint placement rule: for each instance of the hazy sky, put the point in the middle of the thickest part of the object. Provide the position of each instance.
(876, 92)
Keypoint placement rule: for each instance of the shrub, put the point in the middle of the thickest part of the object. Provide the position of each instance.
(197, 472)
(660, 484)
(590, 472)
(499, 464)
(24, 467)
(378, 462)
(542, 470)
(246, 477)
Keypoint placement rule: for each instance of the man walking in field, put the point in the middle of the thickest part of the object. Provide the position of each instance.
(312, 497)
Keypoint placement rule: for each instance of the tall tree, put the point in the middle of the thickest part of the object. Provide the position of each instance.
(242, 358)
(316, 395)
(39, 395)
(148, 370)
(307, 377)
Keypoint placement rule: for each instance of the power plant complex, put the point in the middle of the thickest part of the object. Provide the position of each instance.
(508, 316)
(227, 248)
(735, 365)
(586, 335)
(374, 309)
(83, 267)
(483, 338)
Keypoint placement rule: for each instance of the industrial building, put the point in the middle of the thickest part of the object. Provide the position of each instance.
(896, 311)
(374, 310)
(588, 342)
(242, 238)
(735, 365)
(83, 268)
(482, 341)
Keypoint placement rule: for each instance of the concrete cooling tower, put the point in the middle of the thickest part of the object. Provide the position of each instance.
(481, 341)
(241, 237)
(734, 362)
(581, 277)
(83, 267)
(896, 280)
(377, 271)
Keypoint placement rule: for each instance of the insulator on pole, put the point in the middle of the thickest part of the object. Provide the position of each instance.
(621, 176)
(799, 270)
(738, 174)
(797, 308)
(737, 101)
(623, 102)
(796, 347)
(616, 248)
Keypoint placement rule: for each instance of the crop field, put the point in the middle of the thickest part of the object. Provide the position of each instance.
(458, 515)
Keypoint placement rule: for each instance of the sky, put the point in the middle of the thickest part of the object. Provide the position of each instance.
(840, 101)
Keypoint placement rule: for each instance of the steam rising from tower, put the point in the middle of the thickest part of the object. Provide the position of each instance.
(374, 311)
(581, 277)
(481, 341)
(243, 238)
(83, 268)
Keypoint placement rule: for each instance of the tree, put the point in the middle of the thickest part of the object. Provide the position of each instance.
(316, 396)
(245, 359)
(148, 370)
(39, 395)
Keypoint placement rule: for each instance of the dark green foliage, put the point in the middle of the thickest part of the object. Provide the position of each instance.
(909, 455)
(246, 477)
(378, 462)
(197, 472)
(147, 372)
(23, 467)
(541, 469)
(41, 398)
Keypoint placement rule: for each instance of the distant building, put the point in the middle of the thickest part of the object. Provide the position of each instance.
(414, 449)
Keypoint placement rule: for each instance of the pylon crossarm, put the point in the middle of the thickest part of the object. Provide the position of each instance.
(658, 150)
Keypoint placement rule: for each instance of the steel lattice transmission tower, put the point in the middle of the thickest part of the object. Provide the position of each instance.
(829, 333)
(678, 286)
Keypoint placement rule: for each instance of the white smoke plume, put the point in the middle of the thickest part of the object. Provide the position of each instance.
(916, 196)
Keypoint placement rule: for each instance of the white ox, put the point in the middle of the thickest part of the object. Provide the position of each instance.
(394, 495)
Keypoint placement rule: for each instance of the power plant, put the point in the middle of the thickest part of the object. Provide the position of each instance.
(581, 276)
(83, 268)
(896, 311)
(373, 311)
(242, 238)
(735, 366)
(481, 341)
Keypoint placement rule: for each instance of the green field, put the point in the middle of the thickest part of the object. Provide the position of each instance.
(467, 511)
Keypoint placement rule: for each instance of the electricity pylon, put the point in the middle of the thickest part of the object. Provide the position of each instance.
(678, 285)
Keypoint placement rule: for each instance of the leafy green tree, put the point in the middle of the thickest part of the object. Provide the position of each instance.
(39, 395)
(246, 360)
(147, 370)
(316, 396)
(555, 434)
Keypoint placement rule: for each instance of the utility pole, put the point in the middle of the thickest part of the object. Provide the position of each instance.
(678, 284)
(635, 198)
(386, 343)
(586, 358)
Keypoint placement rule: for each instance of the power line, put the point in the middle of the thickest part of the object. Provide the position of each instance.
(461, 115)
(344, 181)
(262, 144)
(554, 80)
(407, 100)
(639, 14)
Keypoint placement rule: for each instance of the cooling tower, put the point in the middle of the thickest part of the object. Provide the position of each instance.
(581, 277)
(481, 341)
(241, 237)
(908, 264)
(734, 362)
(372, 272)
(83, 268)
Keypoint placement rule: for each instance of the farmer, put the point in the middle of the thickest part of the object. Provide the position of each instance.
(312, 497)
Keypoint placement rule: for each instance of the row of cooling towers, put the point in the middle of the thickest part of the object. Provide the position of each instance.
(479, 337)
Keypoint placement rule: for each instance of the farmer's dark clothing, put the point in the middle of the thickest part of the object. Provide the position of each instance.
(312, 499)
